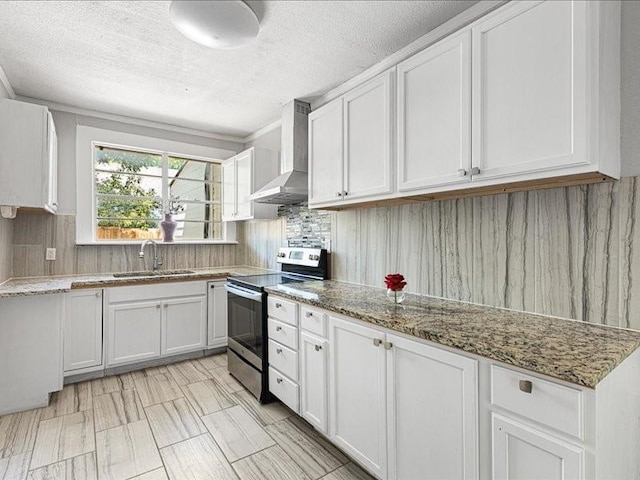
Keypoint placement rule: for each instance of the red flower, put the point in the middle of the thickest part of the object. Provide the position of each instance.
(394, 282)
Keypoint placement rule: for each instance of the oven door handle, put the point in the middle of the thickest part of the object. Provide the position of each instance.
(241, 292)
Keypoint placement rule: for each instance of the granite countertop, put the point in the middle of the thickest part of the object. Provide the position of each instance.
(50, 285)
(573, 351)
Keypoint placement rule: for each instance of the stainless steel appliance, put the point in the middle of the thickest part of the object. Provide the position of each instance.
(247, 313)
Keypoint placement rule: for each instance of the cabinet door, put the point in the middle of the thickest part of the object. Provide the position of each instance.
(244, 184)
(184, 325)
(52, 165)
(325, 154)
(357, 383)
(432, 412)
(313, 380)
(229, 189)
(133, 332)
(368, 133)
(530, 95)
(83, 329)
(434, 116)
(217, 315)
(522, 453)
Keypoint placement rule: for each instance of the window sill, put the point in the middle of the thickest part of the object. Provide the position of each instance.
(139, 242)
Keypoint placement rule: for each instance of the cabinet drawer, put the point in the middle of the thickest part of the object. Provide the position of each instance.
(283, 359)
(548, 403)
(155, 291)
(284, 389)
(283, 333)
(282, 310)
(314, 321)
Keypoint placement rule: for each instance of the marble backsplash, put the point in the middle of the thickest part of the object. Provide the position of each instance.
(568, 252)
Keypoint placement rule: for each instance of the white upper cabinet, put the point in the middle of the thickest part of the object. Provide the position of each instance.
(242, 175)
(325, 154)
(530, 89)
(28, 157)
(368, 135)
(434, 116)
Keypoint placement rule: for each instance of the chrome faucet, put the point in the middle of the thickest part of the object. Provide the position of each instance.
(156, 261)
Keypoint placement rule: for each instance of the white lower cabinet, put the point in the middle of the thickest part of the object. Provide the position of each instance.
(133, 332)
(432, 412)
(524, 453)
(82, 330)
(357, 390)
(184, 325)
(313, 380)
(217, 315)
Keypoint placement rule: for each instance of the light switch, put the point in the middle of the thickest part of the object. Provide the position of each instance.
(51, 254)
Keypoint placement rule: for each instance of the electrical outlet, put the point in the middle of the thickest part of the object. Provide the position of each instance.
(51, 254)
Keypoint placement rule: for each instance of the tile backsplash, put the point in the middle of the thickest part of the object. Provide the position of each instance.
(305, 227)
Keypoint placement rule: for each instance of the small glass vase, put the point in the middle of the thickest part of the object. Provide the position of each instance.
(395, 296)
(168, 226)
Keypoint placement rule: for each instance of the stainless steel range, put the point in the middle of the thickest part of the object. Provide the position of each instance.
(247, 313)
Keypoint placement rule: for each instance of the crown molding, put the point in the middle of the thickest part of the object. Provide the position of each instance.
(130, 120)
(262, 131)
(5, 83)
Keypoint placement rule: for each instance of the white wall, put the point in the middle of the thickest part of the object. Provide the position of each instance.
(6, 230)
(630, 86)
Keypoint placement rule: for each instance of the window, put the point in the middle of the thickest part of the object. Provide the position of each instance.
(134, 188)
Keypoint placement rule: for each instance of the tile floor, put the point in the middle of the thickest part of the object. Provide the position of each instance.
(190, 420)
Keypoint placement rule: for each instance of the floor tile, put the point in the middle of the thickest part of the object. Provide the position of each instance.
(198, 458)
(174, 421)
(73, 398)
(265, 414)
(117, 408)
(126, 451)
(315, 455)
(208, 397)
(82, 467)
(155, 370)
(237, 433)
(110, 384)
(213, 361)
(272, 463)
(15, 467)
(159, 474)
(18, 432)
(157, 389)
(63, 437)
(350, 471)
(230, 384)
(188, 372)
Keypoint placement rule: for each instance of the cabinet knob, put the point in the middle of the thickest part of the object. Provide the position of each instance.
(377, 342)
(309, 314)
(166, 305)
(278, 329)
(158, 306)
(318, 348)
(388, 345)
(278, 305)
(279, 380)
(462, 172)
(98, 294)
(525, 386)
(345, 193)
(278, 351)
(475, 171)
(339, 194)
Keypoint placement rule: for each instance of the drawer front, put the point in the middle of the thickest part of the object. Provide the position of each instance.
(283, 333)
(286, 390)
(155, 291)
(283, 310)
(283, 359)
(313, 321)
(556, 406)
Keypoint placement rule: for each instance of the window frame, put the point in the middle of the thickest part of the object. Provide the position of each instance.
(87, 138)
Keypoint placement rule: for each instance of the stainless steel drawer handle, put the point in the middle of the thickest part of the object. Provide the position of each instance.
(318, 348)
(278, 305)
(377, 342)
(279, 380)
(278, 351)
(278, 329)
(309, 314)
(525, 386)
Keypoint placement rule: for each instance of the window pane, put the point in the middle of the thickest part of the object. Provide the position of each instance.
(120, 160)
(186, 168)
(121, 231)
(194, 190)
(198, 231)
(128, 184)
(123, 218)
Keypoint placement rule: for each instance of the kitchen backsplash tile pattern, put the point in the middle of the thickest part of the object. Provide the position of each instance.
(305, 227)
(6, 252)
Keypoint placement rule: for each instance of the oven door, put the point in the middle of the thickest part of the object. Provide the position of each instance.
(246, 323)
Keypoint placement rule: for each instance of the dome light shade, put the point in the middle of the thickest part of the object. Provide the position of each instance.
(216, 24)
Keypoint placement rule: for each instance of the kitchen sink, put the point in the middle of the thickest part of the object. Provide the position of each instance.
(152, 273)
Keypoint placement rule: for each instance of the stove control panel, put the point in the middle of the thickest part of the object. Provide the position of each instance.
(310, 257)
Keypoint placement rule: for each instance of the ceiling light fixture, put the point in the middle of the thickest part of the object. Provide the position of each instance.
(216, 24)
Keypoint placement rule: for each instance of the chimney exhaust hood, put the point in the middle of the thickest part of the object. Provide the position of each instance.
(291, 186)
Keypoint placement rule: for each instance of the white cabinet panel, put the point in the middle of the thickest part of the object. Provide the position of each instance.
(522, 453)
(530, 88)
(228, 190)
(434, 115)
(133, 332)
(217, 315)
(244, 184)
(368, 136)
(357, 393)
(184, 325)
(433, 412)
(83, 329)
(313, 380)
(325, 154)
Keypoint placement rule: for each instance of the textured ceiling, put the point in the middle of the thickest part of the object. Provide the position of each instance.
(125, 57)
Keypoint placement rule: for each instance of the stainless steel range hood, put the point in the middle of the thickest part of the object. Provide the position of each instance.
(291, 186)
